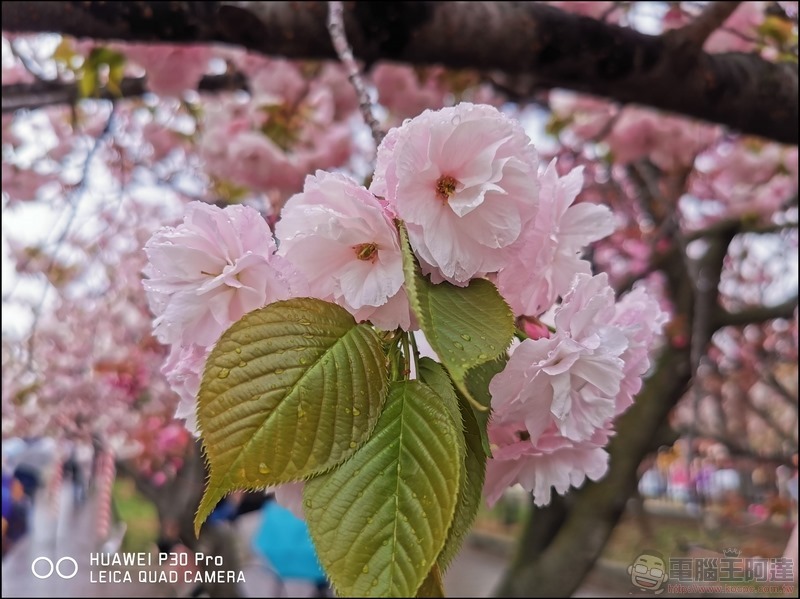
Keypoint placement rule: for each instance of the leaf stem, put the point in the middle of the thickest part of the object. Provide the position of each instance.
(415, 353)
(406, 356)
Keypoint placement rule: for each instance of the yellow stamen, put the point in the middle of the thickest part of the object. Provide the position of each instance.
(366, 251)
(445, 187)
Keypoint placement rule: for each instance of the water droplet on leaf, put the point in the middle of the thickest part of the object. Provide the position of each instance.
(238, 350)
(466, 337)
(263, 468)
(458, 345)
(356, 412)
(223, 374)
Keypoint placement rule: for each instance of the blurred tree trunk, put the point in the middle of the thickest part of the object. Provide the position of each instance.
(176, 503)
(562, 541)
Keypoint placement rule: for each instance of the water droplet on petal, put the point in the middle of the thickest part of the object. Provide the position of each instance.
(456, 120)
(406, 122)
(223, 374)
(263, 468)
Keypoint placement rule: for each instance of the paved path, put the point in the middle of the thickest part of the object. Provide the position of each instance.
(71, 533)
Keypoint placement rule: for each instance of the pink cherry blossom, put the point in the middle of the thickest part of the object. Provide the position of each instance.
(547, 257)
(183, 370)
(464, 180)
(403, 94)
(209, 271)
(339, 237)
(171, 69)
(641, 319)
(553, 461)
(571, 379)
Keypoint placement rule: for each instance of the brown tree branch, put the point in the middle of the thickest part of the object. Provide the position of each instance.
(740, 226)
(554, 48)
(41, 94)
(754, 315)
(736, 448)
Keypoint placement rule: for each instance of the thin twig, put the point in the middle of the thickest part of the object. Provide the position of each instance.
(79, 193)
(345, 53)
(707, 22)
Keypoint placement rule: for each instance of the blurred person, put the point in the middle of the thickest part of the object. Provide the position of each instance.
(30, 465)
(284, 542)
(83, 454)
(678, 482)
(725, 481)
(16, 507)
(703, 475)
(651, 484)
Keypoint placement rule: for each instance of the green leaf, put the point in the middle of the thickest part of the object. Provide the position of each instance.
(288, 392)
(477, 382)
(473, 467)
(466, 326)
(87, 82)
(432, 586)
(380, 520)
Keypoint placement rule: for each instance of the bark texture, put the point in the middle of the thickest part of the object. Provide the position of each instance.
(538, 46)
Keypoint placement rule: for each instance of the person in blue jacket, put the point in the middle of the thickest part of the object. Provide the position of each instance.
(284, 541)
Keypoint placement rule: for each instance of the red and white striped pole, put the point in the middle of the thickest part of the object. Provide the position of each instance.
(105, 482)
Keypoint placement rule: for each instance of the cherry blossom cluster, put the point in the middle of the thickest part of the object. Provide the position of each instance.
(465, 181)
(290, 125)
